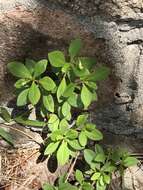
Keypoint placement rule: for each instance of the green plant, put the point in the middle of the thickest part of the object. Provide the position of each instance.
(61, 89)
(97, 174)
(62, 185)
(103, 163)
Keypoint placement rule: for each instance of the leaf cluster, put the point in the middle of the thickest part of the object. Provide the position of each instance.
(61, 88)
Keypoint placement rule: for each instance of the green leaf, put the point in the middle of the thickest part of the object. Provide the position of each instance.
(48, 103)
(80, 72)
(54, 90)
(69, 90)
(130, 161)
(75, 144)
(30, 64)
(87, 62)
(82, 138)
(92, 85)
(48, 187)
(5, 114)
(63, 154)
(68, 116)
(101, 181)
(71, 134)
(115, 156)
(106, 179)
(64, 125)
(67, 186)
(66, 109)
(22, 98)
(108, 167)
(123, 153)
(19, 70)
(89, 155)
(95, 135)
(40, 67)
(73, 153)
(47, 83)
(96, 165)
(101, 73)
(43, 111)
(94, 96)
(99, 186)
(66, 67)
(87, 186)
(52, 147)
(75, 101)
(72, 100)
(90, 126)
(74, 48)
(34, 94)
(89, 172)
(99, 149)
(20, 83)
(57, 58)
(86, 96)
(81, 120)
(62, 179)
(100, 157)
(25, 121)
(56, 135)
(95, 176)
(61, 89)
(60, 115)
(53, 122)
(5, 135)
(79, 176)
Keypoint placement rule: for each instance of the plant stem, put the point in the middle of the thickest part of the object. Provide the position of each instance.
(72, 167)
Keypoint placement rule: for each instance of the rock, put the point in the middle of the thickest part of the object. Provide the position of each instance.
(132, 179)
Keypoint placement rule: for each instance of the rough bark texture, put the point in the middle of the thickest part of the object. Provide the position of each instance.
(112, 32)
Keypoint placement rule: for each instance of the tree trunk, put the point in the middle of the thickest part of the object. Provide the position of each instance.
(112, 31)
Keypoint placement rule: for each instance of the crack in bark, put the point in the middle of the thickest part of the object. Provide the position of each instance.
(136, 42)
(126, 25)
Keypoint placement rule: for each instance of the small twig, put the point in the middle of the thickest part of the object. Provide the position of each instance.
(4, 186)
(11, 178)
(72, 167)
(93, 183)
(31, 155)
(22, 132)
